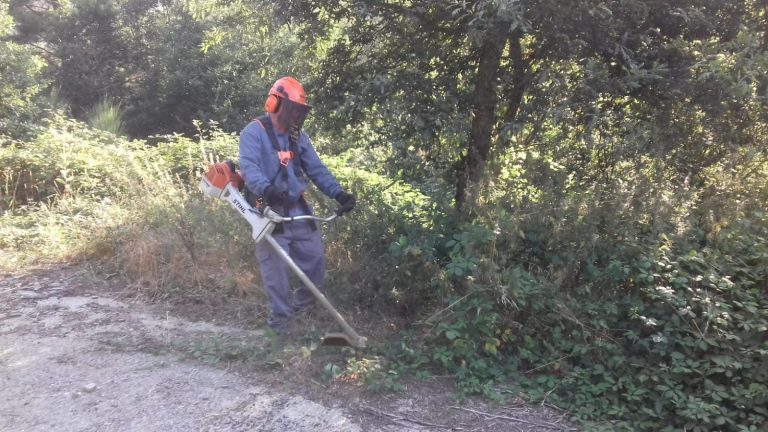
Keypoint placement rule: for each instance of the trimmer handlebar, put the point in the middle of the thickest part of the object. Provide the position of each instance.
(275, 217)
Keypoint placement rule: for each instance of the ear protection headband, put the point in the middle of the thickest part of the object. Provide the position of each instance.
(272, 104)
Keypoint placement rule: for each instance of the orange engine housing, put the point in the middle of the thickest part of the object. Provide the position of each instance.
(222, 173)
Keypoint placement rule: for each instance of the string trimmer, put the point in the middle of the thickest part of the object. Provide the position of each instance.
(222, 181)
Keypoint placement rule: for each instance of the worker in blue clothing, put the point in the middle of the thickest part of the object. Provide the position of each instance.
(276, 158)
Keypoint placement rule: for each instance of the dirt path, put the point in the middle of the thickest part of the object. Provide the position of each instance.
(74, 358)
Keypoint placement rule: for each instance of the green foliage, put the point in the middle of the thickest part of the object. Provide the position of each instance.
(88, 41)
(470, 343)
(386, 210)
(650, 324)
(21, 82)
(184, 156)
(67, 159)
(75, 192)
(107, 116)
(702, 323)
(331, 371)
(222, 349)
(164, 63)
(68, 192)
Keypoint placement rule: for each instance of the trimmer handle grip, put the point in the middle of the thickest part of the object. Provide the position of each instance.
(344, 209)
(277, 218)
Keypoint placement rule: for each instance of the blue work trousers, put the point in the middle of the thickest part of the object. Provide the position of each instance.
(305, 246)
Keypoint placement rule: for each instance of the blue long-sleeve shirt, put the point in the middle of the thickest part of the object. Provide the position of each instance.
(260, 164)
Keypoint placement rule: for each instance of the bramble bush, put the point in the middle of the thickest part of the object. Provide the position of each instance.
(375, 269)
(632, 314)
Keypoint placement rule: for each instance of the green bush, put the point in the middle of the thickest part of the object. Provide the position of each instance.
(75, 192)
(387, 214)
(643, 306)
(21, 70)
(66, 159)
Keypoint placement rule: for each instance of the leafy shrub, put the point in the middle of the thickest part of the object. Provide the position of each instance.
(68, 159)
(21, 71)
(74, 192)
(649, 310)
(388, 214)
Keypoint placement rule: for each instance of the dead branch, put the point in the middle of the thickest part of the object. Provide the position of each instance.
(515, 419)
(398, 419)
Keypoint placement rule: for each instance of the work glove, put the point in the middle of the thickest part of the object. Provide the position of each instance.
(347, 202)
(274, 195)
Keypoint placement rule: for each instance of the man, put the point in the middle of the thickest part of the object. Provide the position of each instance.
(276, 157)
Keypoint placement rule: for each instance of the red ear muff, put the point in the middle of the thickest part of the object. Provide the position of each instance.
(272, 104)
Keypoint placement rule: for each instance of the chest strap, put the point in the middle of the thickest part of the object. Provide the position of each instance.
(284, 156)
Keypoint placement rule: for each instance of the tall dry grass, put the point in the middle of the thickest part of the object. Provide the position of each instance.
(127, 207)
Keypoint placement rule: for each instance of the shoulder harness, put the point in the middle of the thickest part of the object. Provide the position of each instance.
(284, 156)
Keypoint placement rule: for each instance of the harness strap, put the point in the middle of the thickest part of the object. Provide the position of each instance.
(285, 156)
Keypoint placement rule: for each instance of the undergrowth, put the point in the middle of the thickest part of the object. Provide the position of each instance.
(633, 314)
(636, 303)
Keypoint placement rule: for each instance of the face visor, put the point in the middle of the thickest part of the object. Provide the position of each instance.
(292, 114)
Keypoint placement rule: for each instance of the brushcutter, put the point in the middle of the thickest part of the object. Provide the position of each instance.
(222, 181)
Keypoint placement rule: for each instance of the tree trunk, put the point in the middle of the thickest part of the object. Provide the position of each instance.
(762, 87)
(519, 81)
(471, 164)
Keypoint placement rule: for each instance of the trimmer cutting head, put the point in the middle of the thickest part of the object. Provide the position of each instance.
(342, 339)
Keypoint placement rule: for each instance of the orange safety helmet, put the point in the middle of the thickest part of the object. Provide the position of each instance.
(284, 88)
(288, 102)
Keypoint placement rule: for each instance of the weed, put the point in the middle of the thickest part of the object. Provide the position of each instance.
(107, 116)
(222, 349)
